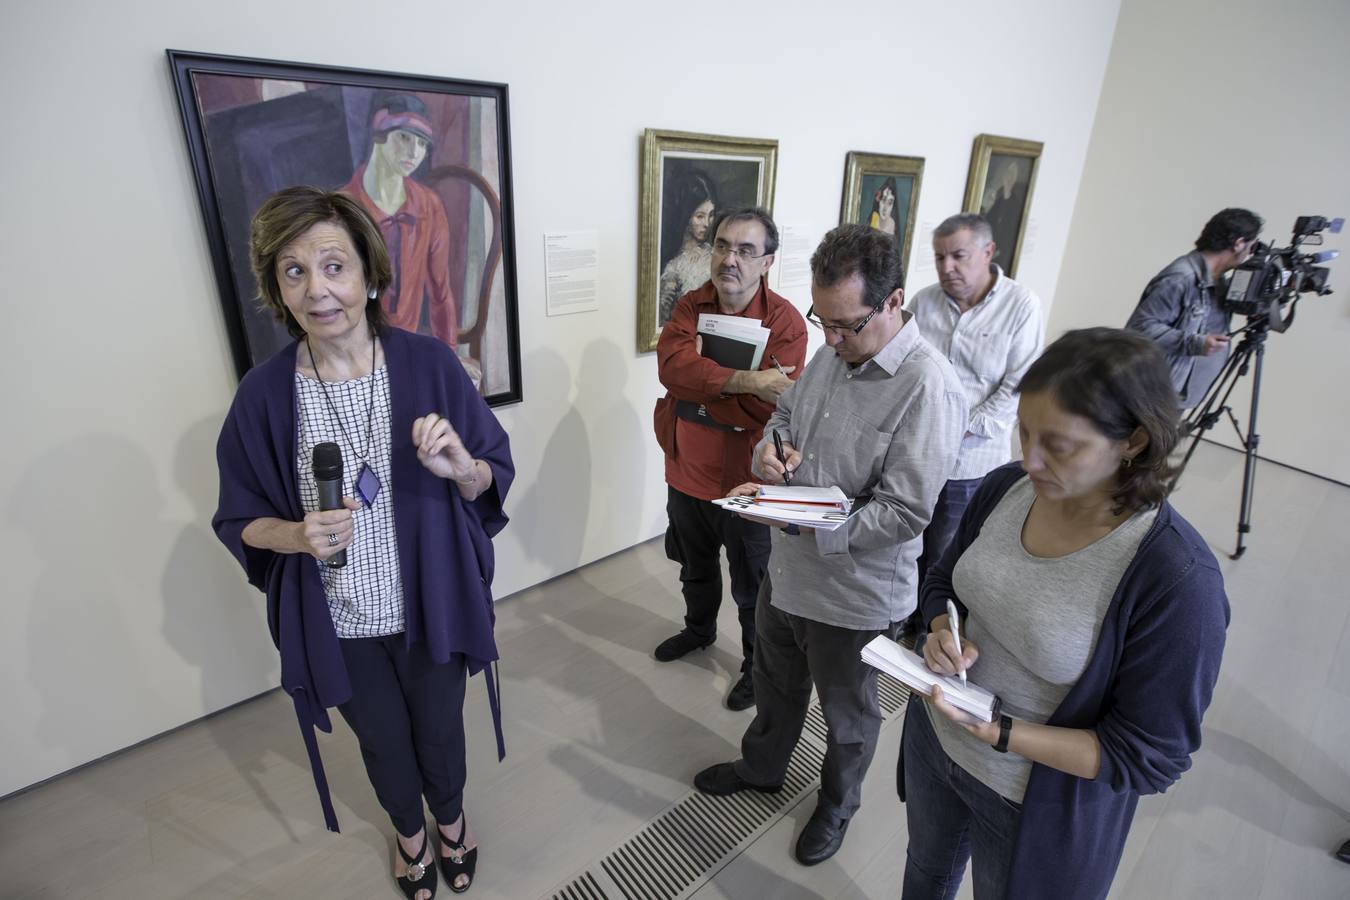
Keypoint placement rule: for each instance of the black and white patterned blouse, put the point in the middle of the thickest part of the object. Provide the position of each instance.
(365, 597)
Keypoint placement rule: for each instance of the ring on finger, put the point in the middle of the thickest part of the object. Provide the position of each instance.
(332, 540)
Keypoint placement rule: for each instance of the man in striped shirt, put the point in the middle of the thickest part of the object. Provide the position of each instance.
(990, 328)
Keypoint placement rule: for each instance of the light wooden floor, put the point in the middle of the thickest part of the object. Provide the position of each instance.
(601, 738)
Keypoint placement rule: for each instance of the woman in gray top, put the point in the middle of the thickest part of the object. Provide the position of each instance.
(1097, 615)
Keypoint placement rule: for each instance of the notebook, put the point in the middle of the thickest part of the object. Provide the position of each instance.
(908, 667)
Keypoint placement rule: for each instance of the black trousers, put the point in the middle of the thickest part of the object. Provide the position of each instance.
(794, 654)
(698, 532)
(408, 715)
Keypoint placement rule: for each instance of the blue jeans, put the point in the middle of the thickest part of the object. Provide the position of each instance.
(951, 817)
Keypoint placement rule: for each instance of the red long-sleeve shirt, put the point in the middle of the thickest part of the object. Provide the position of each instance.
(707, 462)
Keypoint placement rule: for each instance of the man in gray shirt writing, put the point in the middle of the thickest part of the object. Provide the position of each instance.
(879, 413)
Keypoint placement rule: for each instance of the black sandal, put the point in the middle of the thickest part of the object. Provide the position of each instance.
(418, 874)
(460, 862)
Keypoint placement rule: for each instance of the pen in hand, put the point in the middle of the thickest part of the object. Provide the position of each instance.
(773, 359)
(955, 621)
(782, 457)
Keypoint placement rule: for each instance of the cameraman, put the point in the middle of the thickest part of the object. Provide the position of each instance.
(1181, 309)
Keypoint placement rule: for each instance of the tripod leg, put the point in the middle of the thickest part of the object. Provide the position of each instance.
(1211, 408)
(1250, 444)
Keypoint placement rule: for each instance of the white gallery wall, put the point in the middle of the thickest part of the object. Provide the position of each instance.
(1216, 103)
(123, 616)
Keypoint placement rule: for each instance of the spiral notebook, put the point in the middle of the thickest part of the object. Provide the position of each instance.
(908, 667)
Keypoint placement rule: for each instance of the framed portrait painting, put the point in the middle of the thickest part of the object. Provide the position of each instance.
(883, 191)
(1002, 177)
(687, 179)
(429, 158)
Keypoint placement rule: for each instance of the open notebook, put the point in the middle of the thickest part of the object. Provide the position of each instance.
(823, 509)
(907, 666)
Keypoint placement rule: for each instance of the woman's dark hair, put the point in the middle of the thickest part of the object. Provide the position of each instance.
(1119, 381)
(1226, 226)
(861, 250)
(686, 193)
(876, 200)
(291, 212)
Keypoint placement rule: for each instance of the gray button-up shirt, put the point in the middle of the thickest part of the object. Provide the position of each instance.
(891, 428)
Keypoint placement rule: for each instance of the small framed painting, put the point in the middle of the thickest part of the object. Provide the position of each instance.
(999, 186)
(883, 191)
(687, 179)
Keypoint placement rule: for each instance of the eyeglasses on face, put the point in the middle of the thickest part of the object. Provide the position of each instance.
(744, 252)
(842, 330)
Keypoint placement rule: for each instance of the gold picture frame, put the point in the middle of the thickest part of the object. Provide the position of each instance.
(866, 178)
(682, 173)
(1006, 201)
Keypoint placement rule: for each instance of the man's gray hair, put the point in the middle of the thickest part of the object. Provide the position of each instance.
(976, 224)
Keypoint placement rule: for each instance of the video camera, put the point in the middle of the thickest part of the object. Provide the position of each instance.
(1269, 283)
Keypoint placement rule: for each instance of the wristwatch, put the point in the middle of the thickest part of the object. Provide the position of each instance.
(1004, 730)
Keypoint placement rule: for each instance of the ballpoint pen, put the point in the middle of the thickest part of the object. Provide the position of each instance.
(782, 457)
(955, 621)
(773, 359)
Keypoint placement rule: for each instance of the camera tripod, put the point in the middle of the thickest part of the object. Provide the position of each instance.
(1214, 406)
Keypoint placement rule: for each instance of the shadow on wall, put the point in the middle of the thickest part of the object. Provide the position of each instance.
(619, 457)
(213, 618)
(548, 517)
(91, 508)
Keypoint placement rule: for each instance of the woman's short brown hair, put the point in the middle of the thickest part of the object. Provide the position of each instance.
(291, 212)
(1119, 381)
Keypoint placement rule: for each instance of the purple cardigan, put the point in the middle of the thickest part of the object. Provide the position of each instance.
(444, 542)
(1144, 692)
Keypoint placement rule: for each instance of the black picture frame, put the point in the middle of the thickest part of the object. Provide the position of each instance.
(254, 126)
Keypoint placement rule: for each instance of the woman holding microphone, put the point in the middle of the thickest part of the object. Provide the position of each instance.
(390, 636)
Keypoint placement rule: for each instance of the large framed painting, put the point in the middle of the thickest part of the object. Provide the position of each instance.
(883, 191)
(429, 158)
(687, 179)
(1002, 177)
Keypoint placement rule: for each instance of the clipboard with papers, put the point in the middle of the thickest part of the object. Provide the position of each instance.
(909, 668)
(821, 508)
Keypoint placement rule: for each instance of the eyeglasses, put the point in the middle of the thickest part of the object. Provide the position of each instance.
(842, 330)
(745, 252)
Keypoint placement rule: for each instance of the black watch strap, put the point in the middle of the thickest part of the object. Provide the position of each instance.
(1004, 730)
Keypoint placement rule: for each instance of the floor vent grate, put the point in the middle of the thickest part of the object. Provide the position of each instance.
(684, 847)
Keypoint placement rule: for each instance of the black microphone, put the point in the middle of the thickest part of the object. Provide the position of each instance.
(328, 480)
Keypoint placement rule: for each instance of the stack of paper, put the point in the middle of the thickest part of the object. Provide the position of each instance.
(736, 342)
(824, 509)
(907, 666)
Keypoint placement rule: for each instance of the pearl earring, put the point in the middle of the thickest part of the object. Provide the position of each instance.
(372, 295)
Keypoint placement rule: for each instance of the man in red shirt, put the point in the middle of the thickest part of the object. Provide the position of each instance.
(708, 424)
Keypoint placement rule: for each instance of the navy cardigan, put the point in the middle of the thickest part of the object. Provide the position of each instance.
(1144, 692)
(444, 542)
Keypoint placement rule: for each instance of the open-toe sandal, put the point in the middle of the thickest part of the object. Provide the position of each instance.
(460, 861)
(419, 877)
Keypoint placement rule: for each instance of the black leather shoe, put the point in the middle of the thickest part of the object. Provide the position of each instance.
(1343, 854)
(820, 840)
(721, 780)
(742, 694)
(686, 641)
